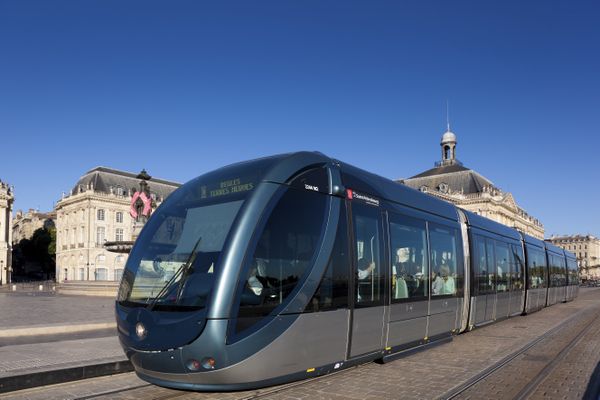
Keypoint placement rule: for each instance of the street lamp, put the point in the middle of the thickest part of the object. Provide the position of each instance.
(1, 269)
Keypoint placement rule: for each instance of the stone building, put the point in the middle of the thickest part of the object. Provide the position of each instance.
(25, 223)
(94, 212)
(450, 180)
(6, 202)
(587, 250)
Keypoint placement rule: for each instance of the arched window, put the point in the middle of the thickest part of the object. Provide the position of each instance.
(446, 152)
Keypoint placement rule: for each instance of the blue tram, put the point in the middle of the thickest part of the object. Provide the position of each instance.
(297, 265)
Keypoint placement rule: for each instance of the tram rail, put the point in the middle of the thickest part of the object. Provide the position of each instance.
(571, 329)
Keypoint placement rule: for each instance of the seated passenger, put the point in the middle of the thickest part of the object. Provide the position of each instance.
(448, 286)
(365, 268)
(401, 275)
(436, 283)
(400, 287)
(254, 283)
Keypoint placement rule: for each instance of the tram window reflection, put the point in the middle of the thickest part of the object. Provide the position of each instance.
(536, 265)
(282, 255)
(502, 267)
(332, 292)
(480, 260)
(516, 269)
(410, 277)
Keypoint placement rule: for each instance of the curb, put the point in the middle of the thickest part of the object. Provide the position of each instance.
(35, 379)
(53, 330)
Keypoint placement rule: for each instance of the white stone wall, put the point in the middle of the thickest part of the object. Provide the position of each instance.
(80, 254)
(6, 201)
(587, 251)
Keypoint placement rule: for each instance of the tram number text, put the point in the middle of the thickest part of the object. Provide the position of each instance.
(311, 187)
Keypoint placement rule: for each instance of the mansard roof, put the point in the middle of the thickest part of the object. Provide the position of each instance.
(457, 177)
(108, 180)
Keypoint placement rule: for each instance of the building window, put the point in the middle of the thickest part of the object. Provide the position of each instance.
(118, 274)
(119, 235)
(100, 235)
(101, 274)
(100, 215)
(119, 216)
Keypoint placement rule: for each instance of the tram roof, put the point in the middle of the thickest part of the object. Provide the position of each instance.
(283, 166)
(534, 241)
(569, 254)
(477, 221)
(387, 189)
(554, 249)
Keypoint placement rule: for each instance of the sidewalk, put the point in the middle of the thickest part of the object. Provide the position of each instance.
(30, 365)
(49, 338)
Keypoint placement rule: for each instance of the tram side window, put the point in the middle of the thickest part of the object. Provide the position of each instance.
(410, 278)
(284, 252)
(491, 262)
(332, 292)
(516, 268)
(482, 283)
(563, 271)
(572, 266)
(536, 266)
(443, 259)
(557, 271)
(368, 261)
(502, 267)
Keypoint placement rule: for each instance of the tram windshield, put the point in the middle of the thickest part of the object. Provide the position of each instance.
(173, 264)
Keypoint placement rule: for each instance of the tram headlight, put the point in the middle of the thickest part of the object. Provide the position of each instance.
(140, 331)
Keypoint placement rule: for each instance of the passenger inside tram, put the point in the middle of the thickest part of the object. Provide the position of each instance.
(437, 283)
(403, 271)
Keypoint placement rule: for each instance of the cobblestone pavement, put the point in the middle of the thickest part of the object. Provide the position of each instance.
(23, 309)
(434, 373)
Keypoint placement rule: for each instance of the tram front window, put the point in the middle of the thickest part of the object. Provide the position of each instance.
(174, 261)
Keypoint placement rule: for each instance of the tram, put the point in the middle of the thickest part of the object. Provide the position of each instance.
(297, 265)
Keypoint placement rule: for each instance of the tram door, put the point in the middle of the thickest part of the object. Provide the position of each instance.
(369, 277)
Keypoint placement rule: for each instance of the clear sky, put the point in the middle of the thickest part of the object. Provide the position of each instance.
(183, 87)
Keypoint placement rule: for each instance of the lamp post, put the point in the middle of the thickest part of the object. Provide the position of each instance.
(1, 270)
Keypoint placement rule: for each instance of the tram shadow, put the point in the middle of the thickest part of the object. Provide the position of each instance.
(592, 392)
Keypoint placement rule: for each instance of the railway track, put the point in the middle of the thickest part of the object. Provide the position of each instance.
(524, 372)
(534, 368)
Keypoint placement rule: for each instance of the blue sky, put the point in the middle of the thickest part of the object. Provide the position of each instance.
(183, 87)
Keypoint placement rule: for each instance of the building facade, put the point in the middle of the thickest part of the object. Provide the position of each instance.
(6, 202)
(25, 223)
(94, 212)
(587, 250)
(451, 181)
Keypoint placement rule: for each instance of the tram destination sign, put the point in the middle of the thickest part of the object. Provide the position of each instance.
(226, 187)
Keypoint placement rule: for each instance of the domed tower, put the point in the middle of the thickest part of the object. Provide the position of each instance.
(448, 147)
